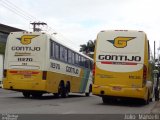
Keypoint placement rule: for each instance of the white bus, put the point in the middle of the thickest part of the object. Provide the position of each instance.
(37, 63)
(123, 65)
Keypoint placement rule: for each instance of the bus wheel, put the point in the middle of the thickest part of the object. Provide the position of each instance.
(104, 99)
(26, 94)
(36, 95)
(108, 99)
(56, 95)
(67, 88)
(62, 89)
(157, 95)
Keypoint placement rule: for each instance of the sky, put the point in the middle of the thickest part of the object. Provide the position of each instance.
(78, 21)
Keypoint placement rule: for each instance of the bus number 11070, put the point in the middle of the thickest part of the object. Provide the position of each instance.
(25, 59)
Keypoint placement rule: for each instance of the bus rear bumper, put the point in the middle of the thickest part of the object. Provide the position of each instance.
(140, 93)
(18, 85)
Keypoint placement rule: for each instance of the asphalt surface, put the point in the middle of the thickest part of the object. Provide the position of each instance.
(13, 106)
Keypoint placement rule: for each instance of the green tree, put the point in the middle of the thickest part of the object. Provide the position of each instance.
(88, 48)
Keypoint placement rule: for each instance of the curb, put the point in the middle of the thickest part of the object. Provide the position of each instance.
(156, 108)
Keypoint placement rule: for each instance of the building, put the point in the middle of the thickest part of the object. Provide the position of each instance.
(4, 32)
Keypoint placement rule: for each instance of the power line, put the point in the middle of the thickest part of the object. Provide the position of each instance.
(16, 10)
(12, 7)
(29, 15)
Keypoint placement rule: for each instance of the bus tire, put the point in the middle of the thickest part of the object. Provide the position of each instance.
(26, 94)
(62, 89)
(37, 95)
(150, 100)
(104, 99)
(157, 95)
(67, 88)
(56, 95)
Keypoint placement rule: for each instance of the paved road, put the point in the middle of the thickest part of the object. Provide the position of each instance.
(14, 102)
(13, 106)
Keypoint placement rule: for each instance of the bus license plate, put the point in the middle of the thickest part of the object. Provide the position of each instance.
(27, 75)
(117, 88)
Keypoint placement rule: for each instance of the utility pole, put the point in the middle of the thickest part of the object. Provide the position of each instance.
(35, 24)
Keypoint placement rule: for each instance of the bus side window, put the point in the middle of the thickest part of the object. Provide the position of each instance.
(69, 56)
(73, 58)
(61, 53)
(76, 59)
(91, 65)
(82, 61)
(87, 63)
(52, 49)
(57, 51)
(65, 54)
(79, 60)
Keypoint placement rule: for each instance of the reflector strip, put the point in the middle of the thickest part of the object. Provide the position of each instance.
(118, 63)
(35, 72)
(24, 72)
(13, 71)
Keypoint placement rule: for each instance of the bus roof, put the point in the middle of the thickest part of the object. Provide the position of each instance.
(121, 31)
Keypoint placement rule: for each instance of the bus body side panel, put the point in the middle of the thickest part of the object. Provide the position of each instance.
(59, 71)
(149, 63)
(84, 80)
(54, 79)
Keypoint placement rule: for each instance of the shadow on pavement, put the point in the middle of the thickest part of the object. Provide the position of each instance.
(50, 96)
(124, 102)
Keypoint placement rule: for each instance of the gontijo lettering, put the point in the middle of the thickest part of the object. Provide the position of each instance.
(120, 58)
(20, 48)
(72, 70)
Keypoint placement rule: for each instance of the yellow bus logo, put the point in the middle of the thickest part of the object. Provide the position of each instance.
(26, 39)
(120, 42)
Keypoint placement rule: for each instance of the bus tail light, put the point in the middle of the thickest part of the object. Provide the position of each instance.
(144, 75)
(4, 73)
(93, 70)
(44, 75)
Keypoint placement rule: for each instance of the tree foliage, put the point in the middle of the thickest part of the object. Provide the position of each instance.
(88, 48)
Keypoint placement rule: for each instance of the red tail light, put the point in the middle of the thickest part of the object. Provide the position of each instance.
(4, 73)
(93, 70)
(144, 74)
(44, 76)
